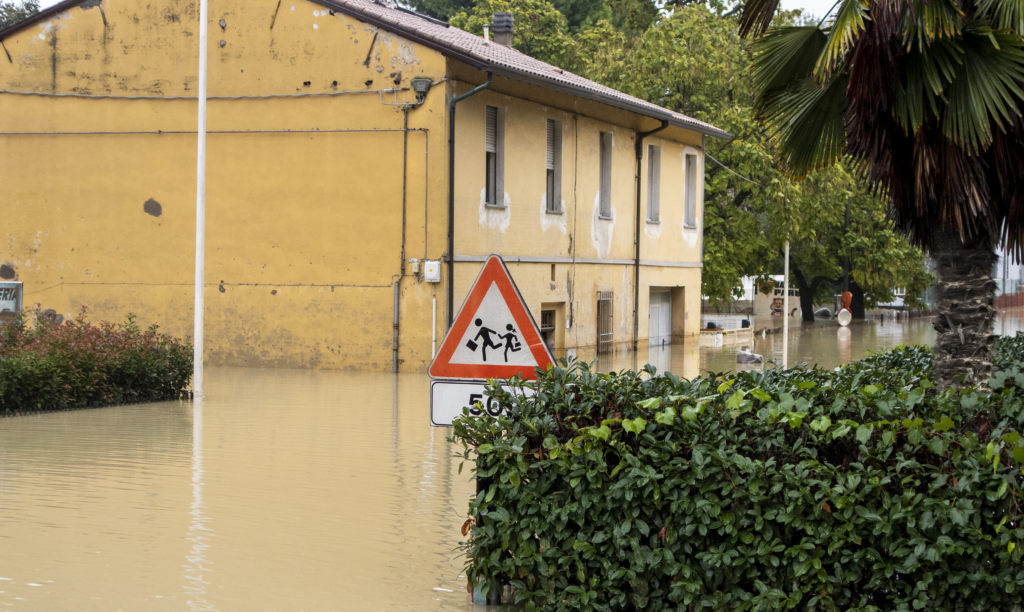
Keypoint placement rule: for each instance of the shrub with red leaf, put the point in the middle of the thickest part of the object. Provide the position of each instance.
(75, 364)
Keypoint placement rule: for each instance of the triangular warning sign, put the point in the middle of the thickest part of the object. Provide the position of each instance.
(494, 334)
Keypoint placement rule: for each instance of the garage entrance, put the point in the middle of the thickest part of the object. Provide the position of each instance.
(660, 321)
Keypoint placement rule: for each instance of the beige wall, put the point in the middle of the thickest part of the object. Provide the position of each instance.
(303, 228)
(305, 218)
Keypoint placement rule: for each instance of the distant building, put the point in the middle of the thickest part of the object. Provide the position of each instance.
(328, 181)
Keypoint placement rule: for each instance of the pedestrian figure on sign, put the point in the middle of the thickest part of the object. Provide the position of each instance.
(484, 336)
(511, 341)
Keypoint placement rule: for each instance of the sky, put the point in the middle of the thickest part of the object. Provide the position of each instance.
(815, 7)
(810, 7)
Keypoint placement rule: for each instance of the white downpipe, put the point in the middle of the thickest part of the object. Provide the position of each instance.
(785, 308)
(433, 328)
(197, 351)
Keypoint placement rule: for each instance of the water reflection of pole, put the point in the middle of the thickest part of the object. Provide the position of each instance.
(198, 533)
(785, 311)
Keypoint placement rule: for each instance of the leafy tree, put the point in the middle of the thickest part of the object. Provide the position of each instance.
(583, 14)
(579, 14)
(927, 96)
(540, 30)
(836, 225)
(11, 13)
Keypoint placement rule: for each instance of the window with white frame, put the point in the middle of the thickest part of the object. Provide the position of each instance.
(690, 217)
(606, 176)
(553, 162)
(653, 183)
(495, 156)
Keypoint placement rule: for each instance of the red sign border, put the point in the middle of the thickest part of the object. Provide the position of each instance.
(494, 271)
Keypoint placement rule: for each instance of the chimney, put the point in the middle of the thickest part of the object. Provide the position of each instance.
(501, 26)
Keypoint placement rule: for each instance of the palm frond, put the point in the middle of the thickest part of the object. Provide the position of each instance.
(1007, 159)
(926, 74)
(805, 122)
(757, 17)
(1005, 14)
(986, 89)
(785, 55)
(928, 20)
(849, 22)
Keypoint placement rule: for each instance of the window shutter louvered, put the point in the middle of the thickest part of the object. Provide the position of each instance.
(492, 129)
(690, 218)
(606, 175)
(551, 145)
(653, 183)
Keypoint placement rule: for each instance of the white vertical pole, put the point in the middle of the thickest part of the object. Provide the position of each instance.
(433, 328)
(785, 308)
(197, 351)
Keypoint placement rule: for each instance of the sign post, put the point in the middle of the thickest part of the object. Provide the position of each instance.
(493, 336)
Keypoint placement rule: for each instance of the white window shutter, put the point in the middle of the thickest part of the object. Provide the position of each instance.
(551, 145)
(492, 129)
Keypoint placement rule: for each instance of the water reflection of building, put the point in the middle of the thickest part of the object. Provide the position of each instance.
(328, 180)
(1009, 277)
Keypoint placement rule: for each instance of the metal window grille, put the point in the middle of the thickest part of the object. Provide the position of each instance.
(547, 320)
(653, 183)
(606, 174)
(690, 219)
(605, 319)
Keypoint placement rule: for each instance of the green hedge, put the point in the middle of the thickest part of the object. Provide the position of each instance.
(859, 488)
(76, 364)
(1009, 349)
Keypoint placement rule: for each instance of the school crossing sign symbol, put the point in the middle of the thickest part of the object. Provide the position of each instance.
(493, 336)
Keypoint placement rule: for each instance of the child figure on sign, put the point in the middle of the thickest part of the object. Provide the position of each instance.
(511, 341)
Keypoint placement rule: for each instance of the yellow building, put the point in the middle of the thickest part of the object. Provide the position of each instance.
(329, 182)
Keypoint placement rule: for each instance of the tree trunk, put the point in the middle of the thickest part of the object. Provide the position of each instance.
(806, 295)
(807, 305)
(965, 307)
(857, 303)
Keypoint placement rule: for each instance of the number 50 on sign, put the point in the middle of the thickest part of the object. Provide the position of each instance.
(449, 397)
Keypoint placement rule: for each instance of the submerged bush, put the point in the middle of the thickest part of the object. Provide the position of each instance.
(859, 488)
(75, 364)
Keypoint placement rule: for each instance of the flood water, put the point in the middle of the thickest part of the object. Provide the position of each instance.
(284, 490)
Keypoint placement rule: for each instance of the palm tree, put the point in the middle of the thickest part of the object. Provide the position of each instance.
(926, 95)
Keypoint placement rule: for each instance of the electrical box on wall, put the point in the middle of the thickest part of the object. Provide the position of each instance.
(432, 271)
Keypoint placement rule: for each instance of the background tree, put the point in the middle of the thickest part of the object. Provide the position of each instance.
(11, 13)
(927, 97)
(833, 219)
(541, 31)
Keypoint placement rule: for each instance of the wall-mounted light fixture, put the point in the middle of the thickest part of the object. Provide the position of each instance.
(421, 85)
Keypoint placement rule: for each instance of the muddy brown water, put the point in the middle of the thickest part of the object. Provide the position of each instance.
(284, 490)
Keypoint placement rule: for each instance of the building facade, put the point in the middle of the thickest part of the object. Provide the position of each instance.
(329, 183)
